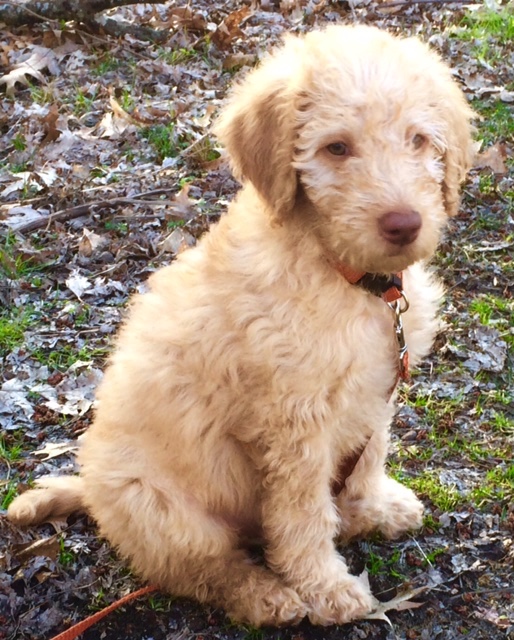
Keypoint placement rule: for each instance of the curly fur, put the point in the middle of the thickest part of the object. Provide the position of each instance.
(252, 368)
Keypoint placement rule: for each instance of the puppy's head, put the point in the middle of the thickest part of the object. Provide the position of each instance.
(372, 128)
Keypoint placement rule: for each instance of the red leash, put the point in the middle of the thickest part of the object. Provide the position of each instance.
(80, 627)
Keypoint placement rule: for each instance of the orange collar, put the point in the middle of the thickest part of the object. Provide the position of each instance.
(389, 288)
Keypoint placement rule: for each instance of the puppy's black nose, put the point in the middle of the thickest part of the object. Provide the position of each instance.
(400, 227)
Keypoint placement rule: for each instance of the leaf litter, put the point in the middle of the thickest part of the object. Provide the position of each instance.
(109, 171)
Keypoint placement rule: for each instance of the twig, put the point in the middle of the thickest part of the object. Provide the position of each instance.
(484, 592)
(83, 209)
(35, 11)
(410, 3)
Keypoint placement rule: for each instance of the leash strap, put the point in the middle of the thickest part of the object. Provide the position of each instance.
(73, 632)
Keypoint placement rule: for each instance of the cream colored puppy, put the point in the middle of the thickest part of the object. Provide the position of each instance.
(256, 369)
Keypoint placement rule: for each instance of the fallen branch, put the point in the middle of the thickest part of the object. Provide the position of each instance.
(411, 3)
(95, 206)
(15, 14)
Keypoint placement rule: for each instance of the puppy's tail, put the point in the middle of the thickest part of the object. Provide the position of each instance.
(54, 497)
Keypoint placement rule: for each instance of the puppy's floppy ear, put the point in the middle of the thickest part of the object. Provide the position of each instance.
(459, 155)
(257, 128)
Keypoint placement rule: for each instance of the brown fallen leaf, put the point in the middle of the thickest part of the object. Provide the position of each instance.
(400, 603)
(237, 60)
(178, 241)
(228, 29)
(48, 547)
(50, 125)
(89, 242)
(493, 158)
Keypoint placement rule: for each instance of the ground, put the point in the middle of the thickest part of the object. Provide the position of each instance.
(107, 171)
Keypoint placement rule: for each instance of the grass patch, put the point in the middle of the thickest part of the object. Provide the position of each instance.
(13, 325)
(83, 102)
(10, 449)
(378, 565)
(162, 138)
(8, 494)
(498, 486)
(165, 141)
(66, 557)
(485, 24)
(488, 31)
(177, 56)
(428, 485)
(107, 63)
(498, 121)
(61, 359)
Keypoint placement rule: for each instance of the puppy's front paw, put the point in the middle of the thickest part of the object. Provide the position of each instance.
(347, 600)
(393, 511)
(404, 511)
(269, 603)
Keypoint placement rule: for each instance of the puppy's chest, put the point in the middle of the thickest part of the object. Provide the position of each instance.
(363, 352)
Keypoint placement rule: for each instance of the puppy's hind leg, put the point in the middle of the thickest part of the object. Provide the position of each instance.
(177, 543)
(54, 497)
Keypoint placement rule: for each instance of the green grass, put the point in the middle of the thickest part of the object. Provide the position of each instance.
(13, 324)
(428, 485)
(66, 557)
(82, 102)
(107, 63)
(488, 31)
(10, 449)
(379, 565)
(177, 56)
(497, 312)
(497, 486)
(19, 142)
(498, 121)
(41, 94)
(62, 358)
(160, 603)
(15, 264)
(8, 494)
(163, 140)
(484, 24)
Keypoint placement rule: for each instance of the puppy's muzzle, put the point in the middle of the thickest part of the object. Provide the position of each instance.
(400, 227)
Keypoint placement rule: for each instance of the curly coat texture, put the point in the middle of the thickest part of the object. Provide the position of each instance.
(252, 368)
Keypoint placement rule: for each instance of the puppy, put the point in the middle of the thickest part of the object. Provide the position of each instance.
(251, 390)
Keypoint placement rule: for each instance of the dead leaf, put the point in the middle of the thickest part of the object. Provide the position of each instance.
(48, 547)
(53, 450)
(228, 29)
(89, 242)
(78, 284)
(50, 125)
(40, 59)
(237, 60)
(493, 158)
(178, 241)
(185, 18)
(400, 603)
(183, 206)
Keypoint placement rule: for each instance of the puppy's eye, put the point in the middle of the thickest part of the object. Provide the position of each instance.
(418, 141)
(338, 149)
